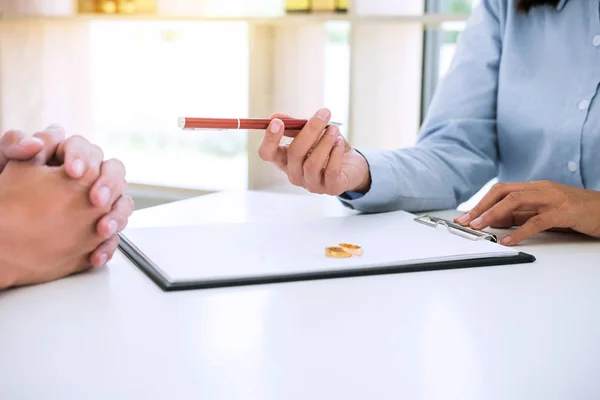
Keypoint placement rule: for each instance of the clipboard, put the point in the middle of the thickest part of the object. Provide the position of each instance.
(456, 229)
(183, 262)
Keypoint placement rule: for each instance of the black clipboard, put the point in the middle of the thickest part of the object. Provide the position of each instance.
(154, 272)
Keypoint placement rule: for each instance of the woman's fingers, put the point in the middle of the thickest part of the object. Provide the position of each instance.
(270, 149)
(517, 218)
(496, 194)
(332, 179)
(303, 143)
(314, 165)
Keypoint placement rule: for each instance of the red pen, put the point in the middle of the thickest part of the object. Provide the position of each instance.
(238, 123)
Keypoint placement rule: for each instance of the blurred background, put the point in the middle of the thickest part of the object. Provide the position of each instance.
(120, 72)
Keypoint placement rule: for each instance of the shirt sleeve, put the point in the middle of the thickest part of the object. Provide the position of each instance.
(456, 153)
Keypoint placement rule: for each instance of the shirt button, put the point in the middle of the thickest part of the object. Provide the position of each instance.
(583, 105)
(572, 165)
(596, 40)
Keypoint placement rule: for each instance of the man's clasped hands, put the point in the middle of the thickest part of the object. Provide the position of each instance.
(61, 206)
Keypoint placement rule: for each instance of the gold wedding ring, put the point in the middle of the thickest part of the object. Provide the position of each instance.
(336, 252)
(352, 249)
(343, 250)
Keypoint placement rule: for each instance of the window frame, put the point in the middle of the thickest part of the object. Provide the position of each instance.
(433, 40)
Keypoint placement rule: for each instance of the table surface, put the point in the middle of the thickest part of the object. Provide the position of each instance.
(529, 331)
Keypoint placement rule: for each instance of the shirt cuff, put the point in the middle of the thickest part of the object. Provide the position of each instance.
(351, 195)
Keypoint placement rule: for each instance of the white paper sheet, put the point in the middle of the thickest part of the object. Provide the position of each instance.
(214, 251)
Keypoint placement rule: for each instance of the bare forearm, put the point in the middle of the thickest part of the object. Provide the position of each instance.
(6, 279)
(7, 272)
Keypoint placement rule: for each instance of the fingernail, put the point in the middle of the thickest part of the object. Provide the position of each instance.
(465, 218)
(103, 259)
(104, 195)
(323, 114)
(275, 126)
(333, 130)
(78, 167)
(477, 222)
(30, 140)
(506, 241)
(54, 127)
(339, 141)
(112, 227)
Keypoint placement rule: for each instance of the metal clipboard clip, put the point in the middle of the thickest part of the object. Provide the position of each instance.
(456, 229)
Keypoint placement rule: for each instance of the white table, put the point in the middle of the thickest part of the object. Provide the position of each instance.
(527, 331)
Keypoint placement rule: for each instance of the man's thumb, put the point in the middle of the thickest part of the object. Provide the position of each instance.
(16, 145)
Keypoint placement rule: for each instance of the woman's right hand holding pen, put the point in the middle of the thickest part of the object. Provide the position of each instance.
(318, 159)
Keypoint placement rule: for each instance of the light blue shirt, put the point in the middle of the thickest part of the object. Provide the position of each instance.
(518, 103)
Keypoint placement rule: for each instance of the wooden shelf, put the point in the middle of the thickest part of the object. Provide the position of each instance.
(430, 20)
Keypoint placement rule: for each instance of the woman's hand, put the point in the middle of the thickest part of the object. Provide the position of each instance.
(318, 159)
(536, 207)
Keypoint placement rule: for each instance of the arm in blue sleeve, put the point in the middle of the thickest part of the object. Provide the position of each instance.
(456, 153)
